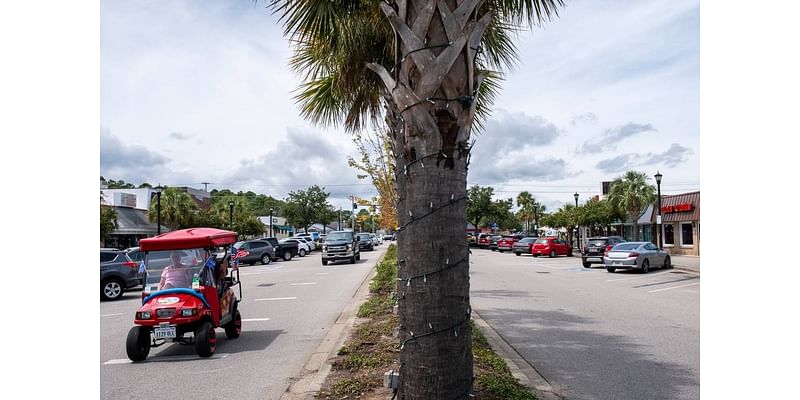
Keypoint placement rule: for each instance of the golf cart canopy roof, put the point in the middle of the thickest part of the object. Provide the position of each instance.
(192, 238)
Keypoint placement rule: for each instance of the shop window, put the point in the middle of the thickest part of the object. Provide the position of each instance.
(669, 235)
(687, 239)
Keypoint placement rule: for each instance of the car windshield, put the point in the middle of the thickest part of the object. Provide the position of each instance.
(527, 240)
(597, 242)
(362, 236)
(339, 236)
(626, 247)
(175, 271)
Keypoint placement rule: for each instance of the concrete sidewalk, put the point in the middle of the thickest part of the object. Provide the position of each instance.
(688, 263)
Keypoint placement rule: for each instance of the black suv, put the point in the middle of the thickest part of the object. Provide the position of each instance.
(117, 273)
(595, 247)
(365, 242)
(260, 251)
(341, 245)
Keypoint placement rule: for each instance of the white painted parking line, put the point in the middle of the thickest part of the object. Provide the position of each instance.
(637, 277)
(110, 315)
(303, 283)
(167, 358)
(322, 273)
(674, 287)
(255, 319)
(277, 298)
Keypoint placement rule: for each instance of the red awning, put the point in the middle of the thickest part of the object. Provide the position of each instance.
(192, 238)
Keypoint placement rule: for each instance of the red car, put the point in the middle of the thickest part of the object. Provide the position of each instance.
(551, 246)
(484, 240)
(506, 243)
(185, 299)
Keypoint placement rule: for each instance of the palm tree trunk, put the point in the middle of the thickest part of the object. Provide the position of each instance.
(434, 92)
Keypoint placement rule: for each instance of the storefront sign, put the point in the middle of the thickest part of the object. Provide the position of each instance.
(683, 207)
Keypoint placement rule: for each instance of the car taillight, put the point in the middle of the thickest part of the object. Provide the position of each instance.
(608, 248)
(130, 264)
(633, 254)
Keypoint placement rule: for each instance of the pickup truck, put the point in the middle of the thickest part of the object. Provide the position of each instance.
(341, 245)
(283, 250)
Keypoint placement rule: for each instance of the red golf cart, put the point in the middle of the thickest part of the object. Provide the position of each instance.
(185, 297)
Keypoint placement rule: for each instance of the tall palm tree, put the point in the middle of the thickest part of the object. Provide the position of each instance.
(176, 209)
(525, 202)
(631, 193)
(430, 80)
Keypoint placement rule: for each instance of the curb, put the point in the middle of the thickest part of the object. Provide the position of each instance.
(687, 269)
(317, 368)
(520, 368)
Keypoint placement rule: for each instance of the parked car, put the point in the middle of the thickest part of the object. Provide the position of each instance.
(310, 238)
(365, 242)
(388, 237)
(506, 242)
(493, 242)
(258, 251)
(639, 255)
(551, 246)
(341, 245)
(375, 240)
(302, 246)
(524, 245)
(308, 241)
(322, 238)
(472, 241)
(283, 251)
(117, 274)
(595, 247)
(484, 240)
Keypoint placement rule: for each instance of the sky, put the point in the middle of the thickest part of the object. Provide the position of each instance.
(194, 91)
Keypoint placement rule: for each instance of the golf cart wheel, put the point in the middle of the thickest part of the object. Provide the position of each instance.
(287, 256)
(111, 289)
(266, 259)
(138, 343)
(324, 262)
(587, 265)
(302, 252)
(205, 339)
(234, 328)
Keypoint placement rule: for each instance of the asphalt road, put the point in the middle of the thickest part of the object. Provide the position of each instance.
(287, 309)
(593, 334)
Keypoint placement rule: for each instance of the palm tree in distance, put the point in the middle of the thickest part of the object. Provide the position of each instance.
(176, 209)
(631, 194)
(525, 202)
(428, 73)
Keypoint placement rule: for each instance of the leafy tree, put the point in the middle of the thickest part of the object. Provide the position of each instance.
(431, 80)
(597, 214)
(376, 164)
(108, 222)
(306, 207)
(632, 193)
(502, 214)
(177, 209)
(479, 204)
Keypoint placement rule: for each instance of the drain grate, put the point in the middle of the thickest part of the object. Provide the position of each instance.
(542, 272)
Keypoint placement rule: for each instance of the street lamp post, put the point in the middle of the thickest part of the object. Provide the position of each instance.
(577, 227)
(658, 217)
(270, 221)
(231, 204)
(158, 188)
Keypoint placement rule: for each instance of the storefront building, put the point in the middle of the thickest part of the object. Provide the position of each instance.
(680, 223)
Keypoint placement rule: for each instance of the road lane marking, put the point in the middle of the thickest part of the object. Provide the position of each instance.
(303, 283)
(110, 315)
(167, 359)
(636, 277)
(277, 298)
(255, 319)
(674, 287)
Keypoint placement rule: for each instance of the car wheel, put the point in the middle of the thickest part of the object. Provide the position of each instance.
(552, 253)
(324, 262)
(302, 252)
(535, 255)
(138, 343)
(287, 256)
(645, 266)
(517, 253)
(587, 265)
(611, 269)
(205, 339)
(667, 263)
(266, 259)
(234, 327)
(569, 253)
(111, 289)
(358, 257)
(353, 260)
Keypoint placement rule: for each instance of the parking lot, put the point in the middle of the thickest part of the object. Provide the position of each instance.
(590, 333)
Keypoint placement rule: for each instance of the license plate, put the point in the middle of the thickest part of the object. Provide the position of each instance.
(617, 263)
(164, 332)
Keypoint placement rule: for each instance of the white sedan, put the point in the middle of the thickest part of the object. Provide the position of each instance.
(302, 246)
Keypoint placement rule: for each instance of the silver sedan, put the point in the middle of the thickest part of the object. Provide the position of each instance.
(638, 255)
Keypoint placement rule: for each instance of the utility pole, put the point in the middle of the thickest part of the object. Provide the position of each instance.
(205, 185)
